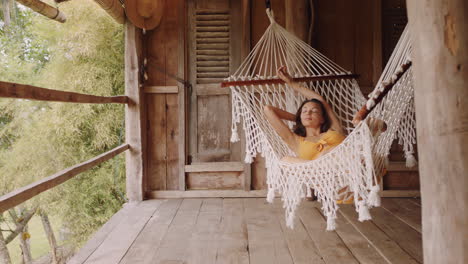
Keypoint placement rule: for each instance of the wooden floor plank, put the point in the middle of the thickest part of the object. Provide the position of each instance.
(233, 244)
(173, 247)
(249, 230)
(301, 245)
(405, 210)
(204, 242)
(362, 250)
(405, 236)
(390, 250)
(150, 237)
(121, 238)
(266, 241)
(99, 237)
(328, 243)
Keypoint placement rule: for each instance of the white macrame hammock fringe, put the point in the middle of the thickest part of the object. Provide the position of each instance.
(358, 161)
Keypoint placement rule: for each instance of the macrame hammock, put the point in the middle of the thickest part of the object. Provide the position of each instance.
(359, 161)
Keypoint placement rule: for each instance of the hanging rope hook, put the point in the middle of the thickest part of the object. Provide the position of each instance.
(269, 11)
(270, 15)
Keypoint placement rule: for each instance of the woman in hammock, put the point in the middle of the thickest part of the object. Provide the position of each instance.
(317, 129)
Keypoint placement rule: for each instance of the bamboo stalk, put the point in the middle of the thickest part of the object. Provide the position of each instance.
(44, 9)
(114, 9)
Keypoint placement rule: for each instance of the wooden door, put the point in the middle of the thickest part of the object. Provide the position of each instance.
(214, 52)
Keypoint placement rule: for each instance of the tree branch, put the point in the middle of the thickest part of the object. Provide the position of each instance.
(19, 225)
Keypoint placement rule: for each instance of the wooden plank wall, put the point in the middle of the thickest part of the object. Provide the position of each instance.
(344, 32)
(166, 57)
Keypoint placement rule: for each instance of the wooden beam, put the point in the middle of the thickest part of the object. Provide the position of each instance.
(400, 166)
(134, 116)
(440, 56)
(182, 96)
(250, 194)
(23, 91)
(161, 89)
(114, 9)
(18, 196)
(44, 9)
(214, 166)
(206, 194)
(211, 89)
(400, 193)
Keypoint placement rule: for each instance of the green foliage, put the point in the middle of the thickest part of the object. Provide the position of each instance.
(37, 139)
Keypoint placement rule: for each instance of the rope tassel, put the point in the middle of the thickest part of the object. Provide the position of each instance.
(309, 192)
(270, 195)
(331, 223)
(363, 212)
(374, 197)
(234, 136)
(410, 160)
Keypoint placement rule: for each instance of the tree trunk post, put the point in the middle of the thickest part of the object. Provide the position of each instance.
(4, 254)
(50, 237)
(26, 245)
(6, 12)
(134, 129)
(439, 31)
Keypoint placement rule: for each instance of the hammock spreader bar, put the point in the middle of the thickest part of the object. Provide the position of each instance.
(377, 96)
(301, 79)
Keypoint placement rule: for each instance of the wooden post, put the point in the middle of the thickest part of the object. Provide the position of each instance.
(133, 115)
(439, 31)
(182, 99)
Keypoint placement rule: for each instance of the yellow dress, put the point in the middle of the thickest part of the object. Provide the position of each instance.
(311, 150)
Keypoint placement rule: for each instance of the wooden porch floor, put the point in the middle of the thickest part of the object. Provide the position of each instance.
(249, 230)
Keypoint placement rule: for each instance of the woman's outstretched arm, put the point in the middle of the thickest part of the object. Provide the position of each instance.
(275, 116)
(309, 94)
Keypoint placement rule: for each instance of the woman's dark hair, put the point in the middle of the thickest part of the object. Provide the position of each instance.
(299, 128)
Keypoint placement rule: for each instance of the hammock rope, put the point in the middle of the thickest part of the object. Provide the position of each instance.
(357, 163)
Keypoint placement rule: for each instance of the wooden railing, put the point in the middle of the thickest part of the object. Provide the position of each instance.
(21, 91)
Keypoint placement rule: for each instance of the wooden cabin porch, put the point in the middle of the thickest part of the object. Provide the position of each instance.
(177, 138)
(249, 230)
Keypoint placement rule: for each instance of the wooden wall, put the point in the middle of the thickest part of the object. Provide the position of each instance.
(165, 51)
